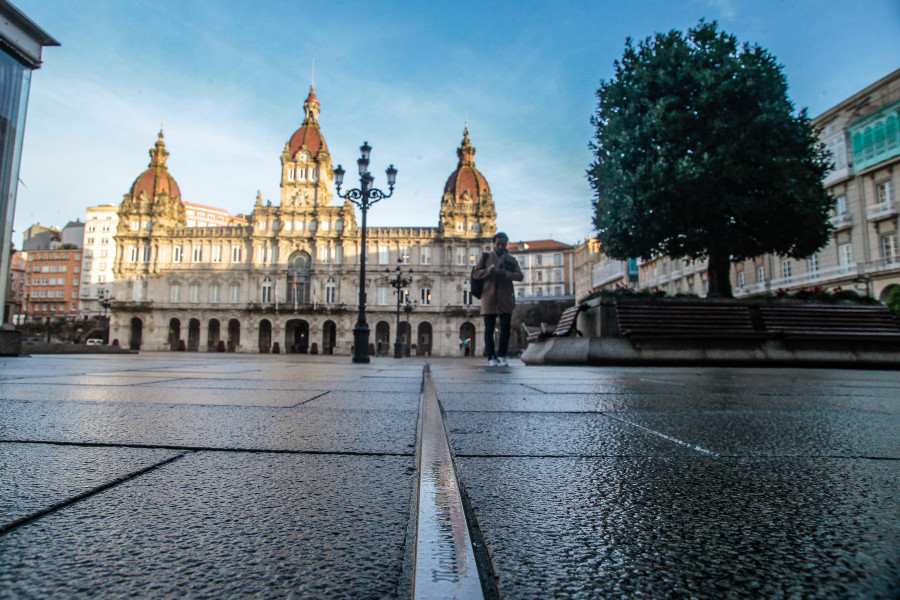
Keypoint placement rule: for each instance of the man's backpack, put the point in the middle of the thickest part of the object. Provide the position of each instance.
(476, 286)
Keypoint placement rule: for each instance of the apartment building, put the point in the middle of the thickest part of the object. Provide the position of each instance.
(548, 269)
(52, 278)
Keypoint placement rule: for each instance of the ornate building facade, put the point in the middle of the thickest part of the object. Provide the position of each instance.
(288, 281)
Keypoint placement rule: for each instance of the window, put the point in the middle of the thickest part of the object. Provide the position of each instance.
(147, 251)
(87, 254)
(288, 225)
(326, 225)
(89, 240)
(383, 295)
(301, 174)
(840, 205)
(104, 253)
(235, 295)
(538, 275)
(760, 275)
(135, 225)
(324, 254)
(262, 225)
(195, 292)
(214, 293)
(102, 266)
(557, 275)
(425, 255)
(176, 254)
(539, 260)
(889, 246)
(884, 191)
(845, 255)
(786, 269)
(740, 279)
(405, 254)
(291, 174)
(384, 255)
(300, 225)
(460, 226)
(330, 292)
(266, 291)
(104, 240)
(217, 253)
(175, 293)
(338, 255)
(558, 259)
(467, 297)
(235, 254)
(197, 254)
(460, 256)
(262, 254)
(132, 254)
(274, 255)
(538, 291)
(812, 264)
(425, 294)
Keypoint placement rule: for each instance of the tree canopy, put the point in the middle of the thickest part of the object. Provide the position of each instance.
(699, 154)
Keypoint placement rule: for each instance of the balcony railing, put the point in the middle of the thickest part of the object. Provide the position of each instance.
(880, 211)
(819, 276)
(883, 264)
(842, 221)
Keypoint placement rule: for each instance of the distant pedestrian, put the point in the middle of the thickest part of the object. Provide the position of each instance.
(498, 270)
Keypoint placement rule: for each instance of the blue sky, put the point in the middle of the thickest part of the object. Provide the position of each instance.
(228, 79)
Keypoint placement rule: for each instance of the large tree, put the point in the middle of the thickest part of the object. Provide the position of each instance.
(699, 154)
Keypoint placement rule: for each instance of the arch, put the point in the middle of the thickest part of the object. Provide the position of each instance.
(265, 336)
(193, 344)
(886, 292)
(296, 336)
(298, 280)
(382, 338)
(423, 339)
(467, 339)
(329, 337)
(234, 335)
(174, 333)
(213, 334)
(134, 338)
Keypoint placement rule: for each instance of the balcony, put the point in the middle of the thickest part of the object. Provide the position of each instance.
(842, 221)
(881, 211)
(815, 277)
(882, 265)
(752, 288)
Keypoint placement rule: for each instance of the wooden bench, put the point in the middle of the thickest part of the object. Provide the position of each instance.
(564, 327)
(688, 320)
(830, 322)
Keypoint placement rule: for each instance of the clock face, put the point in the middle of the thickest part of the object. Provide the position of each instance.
(304, 156)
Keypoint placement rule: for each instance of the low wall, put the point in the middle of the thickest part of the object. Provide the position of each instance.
(57, 348)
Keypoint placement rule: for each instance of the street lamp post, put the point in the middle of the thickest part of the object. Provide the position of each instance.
(408, 308)
(363, 197)
(398, 283)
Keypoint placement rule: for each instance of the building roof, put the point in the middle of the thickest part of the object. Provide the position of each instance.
(536, 245)
(309, 135)
(466, 183)
(156, 179)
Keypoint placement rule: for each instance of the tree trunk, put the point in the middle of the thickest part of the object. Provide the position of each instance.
(718, 274)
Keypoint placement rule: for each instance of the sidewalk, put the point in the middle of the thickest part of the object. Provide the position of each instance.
(211, 476)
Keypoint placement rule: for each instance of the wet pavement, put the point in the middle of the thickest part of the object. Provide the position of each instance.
(212, 476)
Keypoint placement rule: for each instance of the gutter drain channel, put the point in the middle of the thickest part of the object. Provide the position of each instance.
(445, 564)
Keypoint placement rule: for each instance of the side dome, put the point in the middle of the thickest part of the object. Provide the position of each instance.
(156, 180)
(309, 134)
(466, 183)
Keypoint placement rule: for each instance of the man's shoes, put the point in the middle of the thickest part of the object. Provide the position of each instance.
(492, 362)
(502, 361)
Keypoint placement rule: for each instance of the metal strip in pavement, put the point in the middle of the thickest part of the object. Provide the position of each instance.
(445, 564)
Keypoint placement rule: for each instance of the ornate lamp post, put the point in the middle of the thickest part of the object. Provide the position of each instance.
(398, 283)
(363, 197)
(408, 308)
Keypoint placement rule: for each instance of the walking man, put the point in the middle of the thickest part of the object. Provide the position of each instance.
(498, 270)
